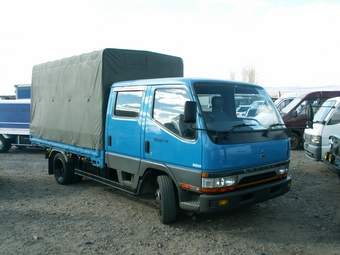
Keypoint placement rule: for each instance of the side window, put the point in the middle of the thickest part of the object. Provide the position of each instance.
(169, 109)
(128, 104)
(301, 110)
(336, 117)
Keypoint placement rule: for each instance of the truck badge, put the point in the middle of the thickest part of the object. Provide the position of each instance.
(262, 154)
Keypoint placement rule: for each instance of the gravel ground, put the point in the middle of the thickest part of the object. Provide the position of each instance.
(38, 216)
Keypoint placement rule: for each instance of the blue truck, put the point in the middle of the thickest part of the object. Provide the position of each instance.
(130, 120)
(14, 123)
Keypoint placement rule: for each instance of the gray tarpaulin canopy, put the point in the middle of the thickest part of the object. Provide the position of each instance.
(69, 96)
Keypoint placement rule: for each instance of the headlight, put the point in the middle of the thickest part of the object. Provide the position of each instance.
(284, 169)
(219, 182)
(316, 139)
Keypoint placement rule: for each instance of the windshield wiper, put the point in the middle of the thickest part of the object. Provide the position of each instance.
(235, 127)
(266, 132)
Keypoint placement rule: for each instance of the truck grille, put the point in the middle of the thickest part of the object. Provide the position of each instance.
(307, 137)
(257, 178)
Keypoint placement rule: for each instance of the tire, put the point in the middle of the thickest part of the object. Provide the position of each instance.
(166, 199)
(5, 144)
(63, 171)
(295, 141)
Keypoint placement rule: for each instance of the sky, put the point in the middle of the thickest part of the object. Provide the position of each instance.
(289, 43)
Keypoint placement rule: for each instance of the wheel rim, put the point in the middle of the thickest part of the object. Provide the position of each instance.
(293, 142)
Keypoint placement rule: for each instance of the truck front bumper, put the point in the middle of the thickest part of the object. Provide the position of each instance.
(335, 167)
(312, 151)
(209, 203)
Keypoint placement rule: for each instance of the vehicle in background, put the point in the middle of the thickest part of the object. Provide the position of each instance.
(7, 97)
(285, 100)
(242, 110)
(22, 91)
(177, 138)
(320, 126)
(251, 112)
(294, 115)
(14, 123)
(257, 103)
(332, 156)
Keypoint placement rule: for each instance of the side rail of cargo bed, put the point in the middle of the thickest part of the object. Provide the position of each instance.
(95, 156)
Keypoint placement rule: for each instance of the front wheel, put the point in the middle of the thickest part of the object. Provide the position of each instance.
(295, 141)
(63, 171)
(166, 199)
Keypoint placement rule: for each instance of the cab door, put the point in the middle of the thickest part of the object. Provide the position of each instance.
(124, 131)
(168, 140)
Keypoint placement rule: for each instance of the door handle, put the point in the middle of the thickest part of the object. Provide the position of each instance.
(147, 147)
(109, 142)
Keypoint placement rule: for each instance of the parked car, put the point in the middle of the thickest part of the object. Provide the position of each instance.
(252, 112)
(242, 110)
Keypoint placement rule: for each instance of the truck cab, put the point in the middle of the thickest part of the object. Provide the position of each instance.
(325, 122)
(210, 158)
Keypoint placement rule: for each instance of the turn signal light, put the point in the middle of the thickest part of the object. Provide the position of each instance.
(223, 202)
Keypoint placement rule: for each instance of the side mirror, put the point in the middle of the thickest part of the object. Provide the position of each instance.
(310, 116)
(189, 112)
(294, 114)
(309, 124)
(309, 112)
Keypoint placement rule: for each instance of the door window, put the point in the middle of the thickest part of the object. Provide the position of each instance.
(301, 109)
(168, 111)
(128, 104)
(336, 117)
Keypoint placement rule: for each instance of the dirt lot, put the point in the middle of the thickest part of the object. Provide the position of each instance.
(38, 216)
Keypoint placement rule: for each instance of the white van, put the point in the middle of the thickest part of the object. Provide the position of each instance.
(326, 121)
(285, 99)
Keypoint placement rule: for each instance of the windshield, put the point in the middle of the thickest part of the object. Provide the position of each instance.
(292, 105)
(226, 105)
(323, 111)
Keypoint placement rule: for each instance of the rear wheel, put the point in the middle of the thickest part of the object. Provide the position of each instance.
(166, 199)
(295, 141)
(63, 171)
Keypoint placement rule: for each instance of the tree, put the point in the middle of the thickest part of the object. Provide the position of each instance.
(249, 74)
(232, 75)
